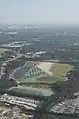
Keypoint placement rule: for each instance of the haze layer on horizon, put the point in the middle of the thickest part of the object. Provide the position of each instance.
(39, 11)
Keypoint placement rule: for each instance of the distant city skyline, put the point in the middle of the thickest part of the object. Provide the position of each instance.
(39, 11)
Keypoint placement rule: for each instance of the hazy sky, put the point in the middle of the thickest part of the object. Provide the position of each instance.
(39, 11)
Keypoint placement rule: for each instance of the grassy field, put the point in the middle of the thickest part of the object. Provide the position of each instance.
(49, 79)
(43, 72)
(59, 70)
(3, 50)
(31, 91)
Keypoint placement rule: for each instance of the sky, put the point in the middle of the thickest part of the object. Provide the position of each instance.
(39, 11)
